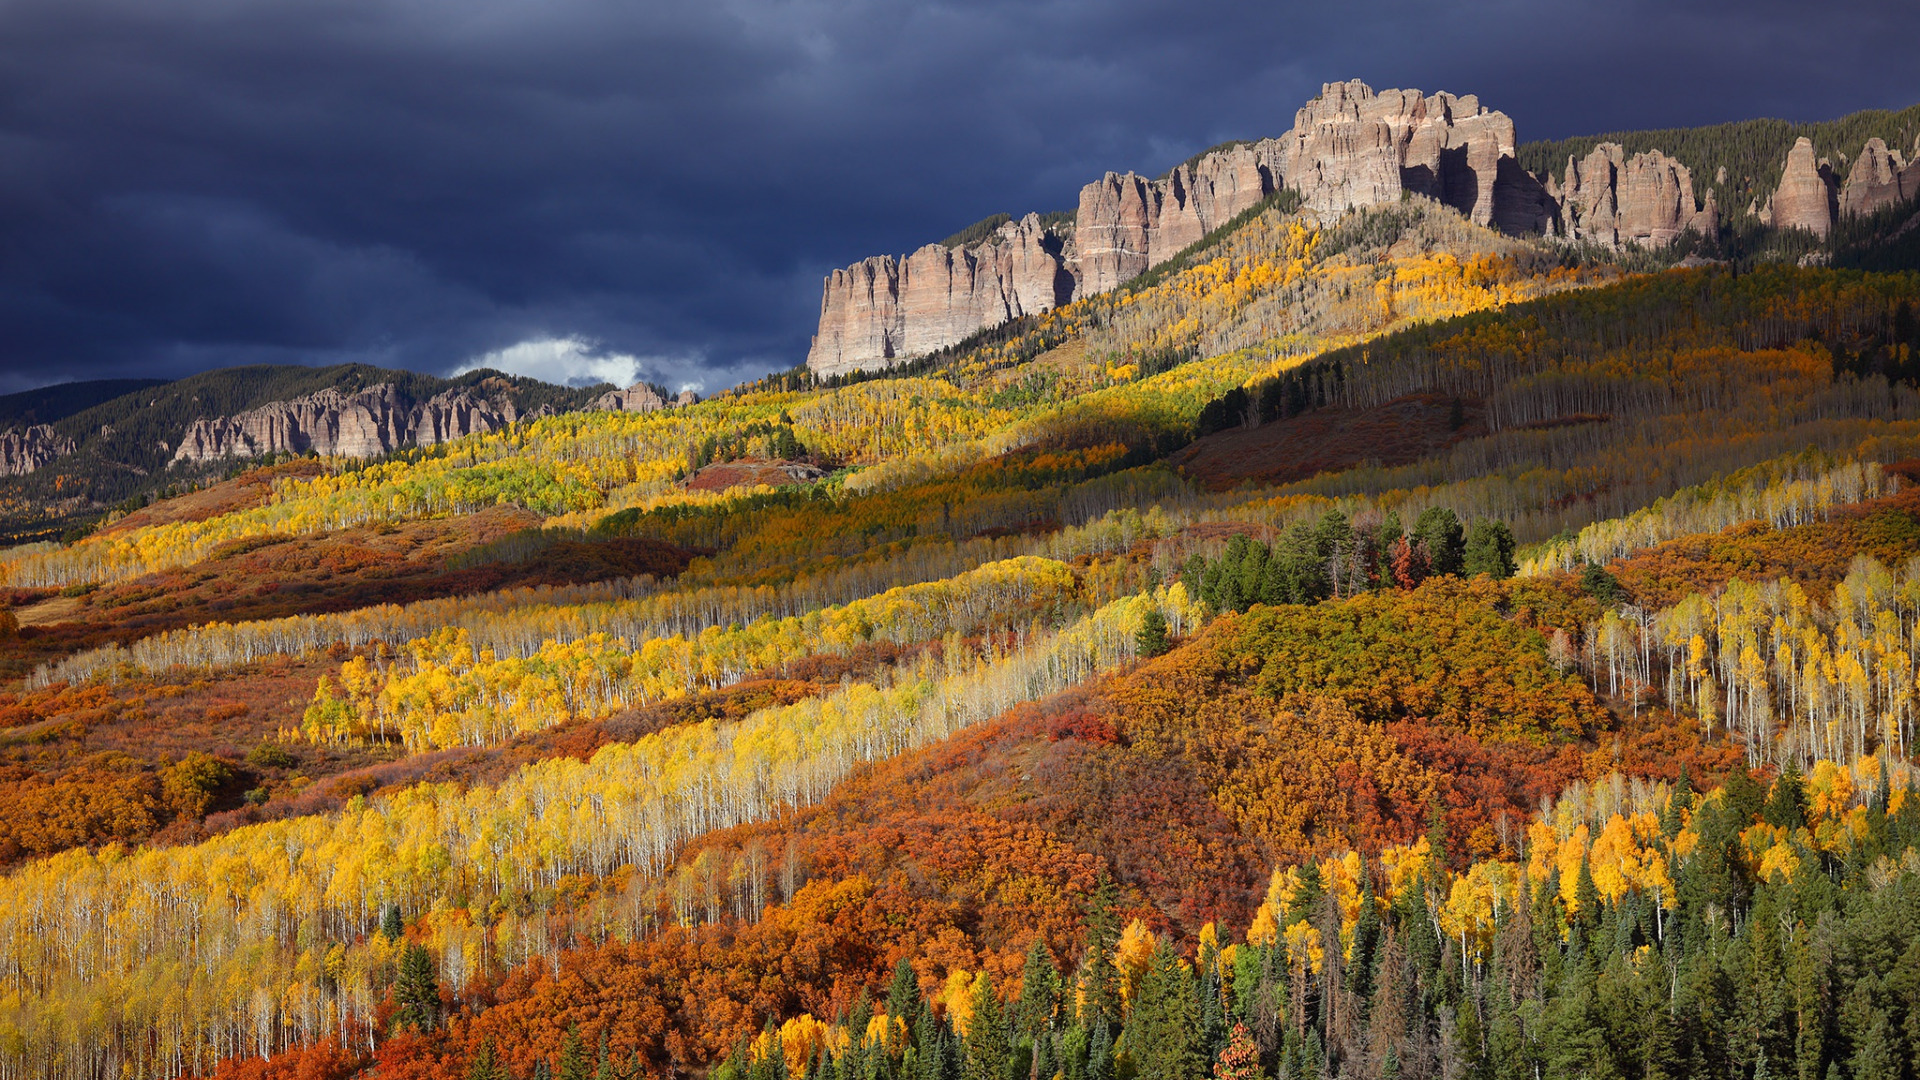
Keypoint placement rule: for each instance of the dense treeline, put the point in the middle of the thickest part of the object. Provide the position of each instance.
(1609, 399)
(1749, 931)
(1335, 558)
(1711, 333)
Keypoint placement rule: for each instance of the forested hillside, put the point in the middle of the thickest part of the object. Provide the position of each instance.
(1376, 647)
(124, 432)
(1749, 151)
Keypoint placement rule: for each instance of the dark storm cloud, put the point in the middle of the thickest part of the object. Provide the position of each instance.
(423, 182)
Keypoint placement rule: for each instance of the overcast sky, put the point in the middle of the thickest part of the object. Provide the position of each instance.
(586, 188)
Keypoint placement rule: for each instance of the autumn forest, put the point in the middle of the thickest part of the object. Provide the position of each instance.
(1373, 647)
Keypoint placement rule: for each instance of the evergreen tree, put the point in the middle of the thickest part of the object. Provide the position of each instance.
(933, 1056)
(1313, 1056)
(573, 1057)
(486, 1064)
(989, 1053)
(1787, 804)
(1208, 993)
(1100, 1050)
(1489, 550)
(1366, 935)
(1438, 528)
(1039, 992)
(903, 993)
(1674, 816)
(1385, 537)
(1742, 797)
(603, 1069)
(1437, 832)
(416, 991)
(1044, 1066)
(1102, 996)
(1071, 1052)
(1603, 586)
(390, 925)
(1163, 1034)
(1151, 640)
(1586, 898)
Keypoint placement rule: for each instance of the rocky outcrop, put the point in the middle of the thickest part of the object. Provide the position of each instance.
(1878, 179)
(1349, 148)
(1352, 147)
(372, 422)
(24, 450)
(1126, 223)
(883, 309)
(636, 398)
(1805, 197)
(1610, 199)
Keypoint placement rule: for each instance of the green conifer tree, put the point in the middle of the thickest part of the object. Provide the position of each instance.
(573, 1056)
(1151, 640)
(903, 993)
(1102, 1004)
(1439, 529)
(1489, 550)
(1100, 1050)
(1163, 1034)
(416, 991)
(603, 1069)
(1039, 992)
(485, 1063)
(989, 1052)
(1787, 803)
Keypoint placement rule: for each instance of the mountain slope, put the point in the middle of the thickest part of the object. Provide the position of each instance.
(1541, 702)
(124, 447)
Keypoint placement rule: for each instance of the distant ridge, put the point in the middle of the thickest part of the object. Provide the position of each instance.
(46, 404)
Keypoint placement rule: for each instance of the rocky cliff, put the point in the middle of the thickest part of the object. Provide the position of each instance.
(372, 422)
(883, 309)
(1611, 199)
(1350, 147)
(24, 450)
(1806, 195)
(636, 398)
(1126, 223)
(1878, 179)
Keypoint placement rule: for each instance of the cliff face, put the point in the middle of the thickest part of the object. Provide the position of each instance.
(1805, 197)
(1127, 223)
(1878, 179)
(1611, 199)
(374, 421)
(636, 398)
(23, 451)
(1349, 148)
(883, 309)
